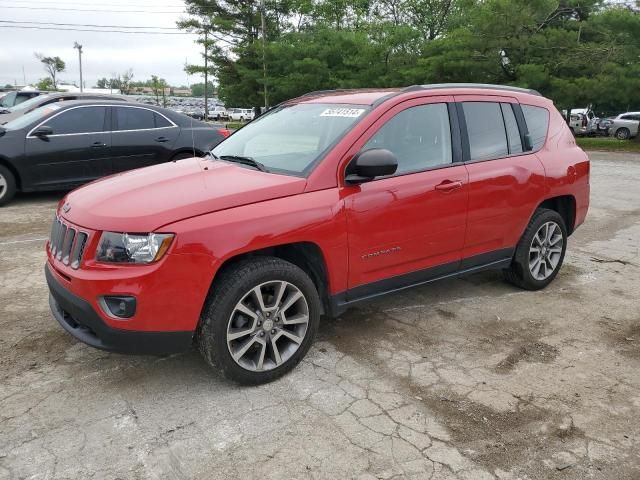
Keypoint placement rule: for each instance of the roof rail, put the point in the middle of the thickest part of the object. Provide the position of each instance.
(487, 86)
(320, 92)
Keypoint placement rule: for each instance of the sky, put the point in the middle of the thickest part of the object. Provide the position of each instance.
(103, 53)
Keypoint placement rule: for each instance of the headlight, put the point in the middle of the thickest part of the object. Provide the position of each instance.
(133, 247)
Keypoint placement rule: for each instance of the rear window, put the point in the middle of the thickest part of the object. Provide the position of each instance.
(537, 119)
(131, 118)
(485, 126)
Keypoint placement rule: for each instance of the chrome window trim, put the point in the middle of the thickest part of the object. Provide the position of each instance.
(173, 125)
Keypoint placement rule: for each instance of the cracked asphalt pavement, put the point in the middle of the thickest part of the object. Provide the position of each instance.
(465, 379)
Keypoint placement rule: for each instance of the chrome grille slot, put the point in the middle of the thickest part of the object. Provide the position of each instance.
(60, 240)
(67, 243)
(78, 250)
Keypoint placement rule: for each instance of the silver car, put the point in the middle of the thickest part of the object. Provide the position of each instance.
(625, 125)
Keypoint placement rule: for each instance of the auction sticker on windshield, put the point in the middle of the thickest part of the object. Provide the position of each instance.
(342, 112)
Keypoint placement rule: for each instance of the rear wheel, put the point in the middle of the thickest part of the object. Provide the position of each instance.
(7, 185)
(623, 133)
(260, 320)
(540, 252)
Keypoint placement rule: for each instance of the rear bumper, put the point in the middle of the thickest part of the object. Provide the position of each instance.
(80, 320)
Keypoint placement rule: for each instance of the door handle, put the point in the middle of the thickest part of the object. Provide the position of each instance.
(162, 139)
(448, 185)
(98, 145)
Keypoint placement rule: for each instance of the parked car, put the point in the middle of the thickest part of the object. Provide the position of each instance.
(218, 113)
(323, 202)
(240, 114)
(625, 125)
(39, 101)
(15, 98)
(66, 144)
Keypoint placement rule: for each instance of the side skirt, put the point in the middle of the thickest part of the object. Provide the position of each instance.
(497, 260)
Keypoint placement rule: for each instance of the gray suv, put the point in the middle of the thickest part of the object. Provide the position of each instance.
(625, 125)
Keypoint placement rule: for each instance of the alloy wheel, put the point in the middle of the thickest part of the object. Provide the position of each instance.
(3, 185)
(267, 326)
(545, 251)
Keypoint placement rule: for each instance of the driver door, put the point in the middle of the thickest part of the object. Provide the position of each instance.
(409, 227)
(77, 151)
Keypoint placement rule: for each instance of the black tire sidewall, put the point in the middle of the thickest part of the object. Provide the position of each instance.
(10, 191)
(623, 137)
(214, 330)
(522, 252)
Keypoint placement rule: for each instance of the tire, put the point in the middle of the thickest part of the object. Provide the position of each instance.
(225, 317)
(524, 271)
(7, 185)
(623, 133)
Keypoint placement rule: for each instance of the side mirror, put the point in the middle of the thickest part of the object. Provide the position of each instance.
(43, 131)
(367, 165)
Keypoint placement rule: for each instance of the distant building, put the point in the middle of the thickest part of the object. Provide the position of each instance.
(181, 92)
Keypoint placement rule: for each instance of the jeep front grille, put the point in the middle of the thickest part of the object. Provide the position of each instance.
(67, 243)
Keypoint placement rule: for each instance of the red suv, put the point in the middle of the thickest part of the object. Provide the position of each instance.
(325, 201)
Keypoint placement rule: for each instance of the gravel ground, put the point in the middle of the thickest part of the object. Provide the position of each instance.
(468, 379)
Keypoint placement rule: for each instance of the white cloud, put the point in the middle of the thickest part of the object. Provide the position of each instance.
(103, 53)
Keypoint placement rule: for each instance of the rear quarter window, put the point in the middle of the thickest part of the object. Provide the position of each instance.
(537, 119)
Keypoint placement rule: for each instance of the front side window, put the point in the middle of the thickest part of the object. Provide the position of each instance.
(131, 118)
(78, 120)
(291, 138)
(485, 127)
(537, 119)
(419, 137)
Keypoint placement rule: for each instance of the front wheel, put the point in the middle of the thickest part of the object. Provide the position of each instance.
(7, 185)
(540, 251)
(260, 320)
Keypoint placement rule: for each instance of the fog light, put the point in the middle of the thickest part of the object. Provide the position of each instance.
(119, 306)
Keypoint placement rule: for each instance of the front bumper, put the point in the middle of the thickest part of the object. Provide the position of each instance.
(79, 319)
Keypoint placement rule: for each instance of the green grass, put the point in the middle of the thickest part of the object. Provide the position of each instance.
(608, 144)
(233, 125)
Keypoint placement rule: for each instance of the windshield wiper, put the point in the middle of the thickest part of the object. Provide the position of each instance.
(244, 161)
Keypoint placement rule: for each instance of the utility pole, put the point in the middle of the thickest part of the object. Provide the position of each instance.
(264, 61)
(206, 74)
(24, 77)
(79, 47)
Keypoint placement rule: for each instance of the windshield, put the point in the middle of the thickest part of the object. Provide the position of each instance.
(29, 103)
(28, 118)
(8, 100)
(291, 138)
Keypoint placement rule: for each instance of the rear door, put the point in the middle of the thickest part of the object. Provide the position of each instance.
(505, 183)
(141, 137)
(78, 150)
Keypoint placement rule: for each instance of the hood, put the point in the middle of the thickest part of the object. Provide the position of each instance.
(7, 117)
(146, 199)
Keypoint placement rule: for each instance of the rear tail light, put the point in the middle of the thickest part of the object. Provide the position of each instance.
(225, 132)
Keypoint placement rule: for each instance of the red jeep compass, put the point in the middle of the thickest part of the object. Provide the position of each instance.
(325, 201)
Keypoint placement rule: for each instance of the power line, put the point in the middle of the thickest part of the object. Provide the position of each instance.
(91, 10)
(94, 30)
(87, 25)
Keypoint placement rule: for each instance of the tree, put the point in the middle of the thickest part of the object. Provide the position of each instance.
(44, 84)
(121, 81)
(53, 66)
(159, 85)
(197, 89)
